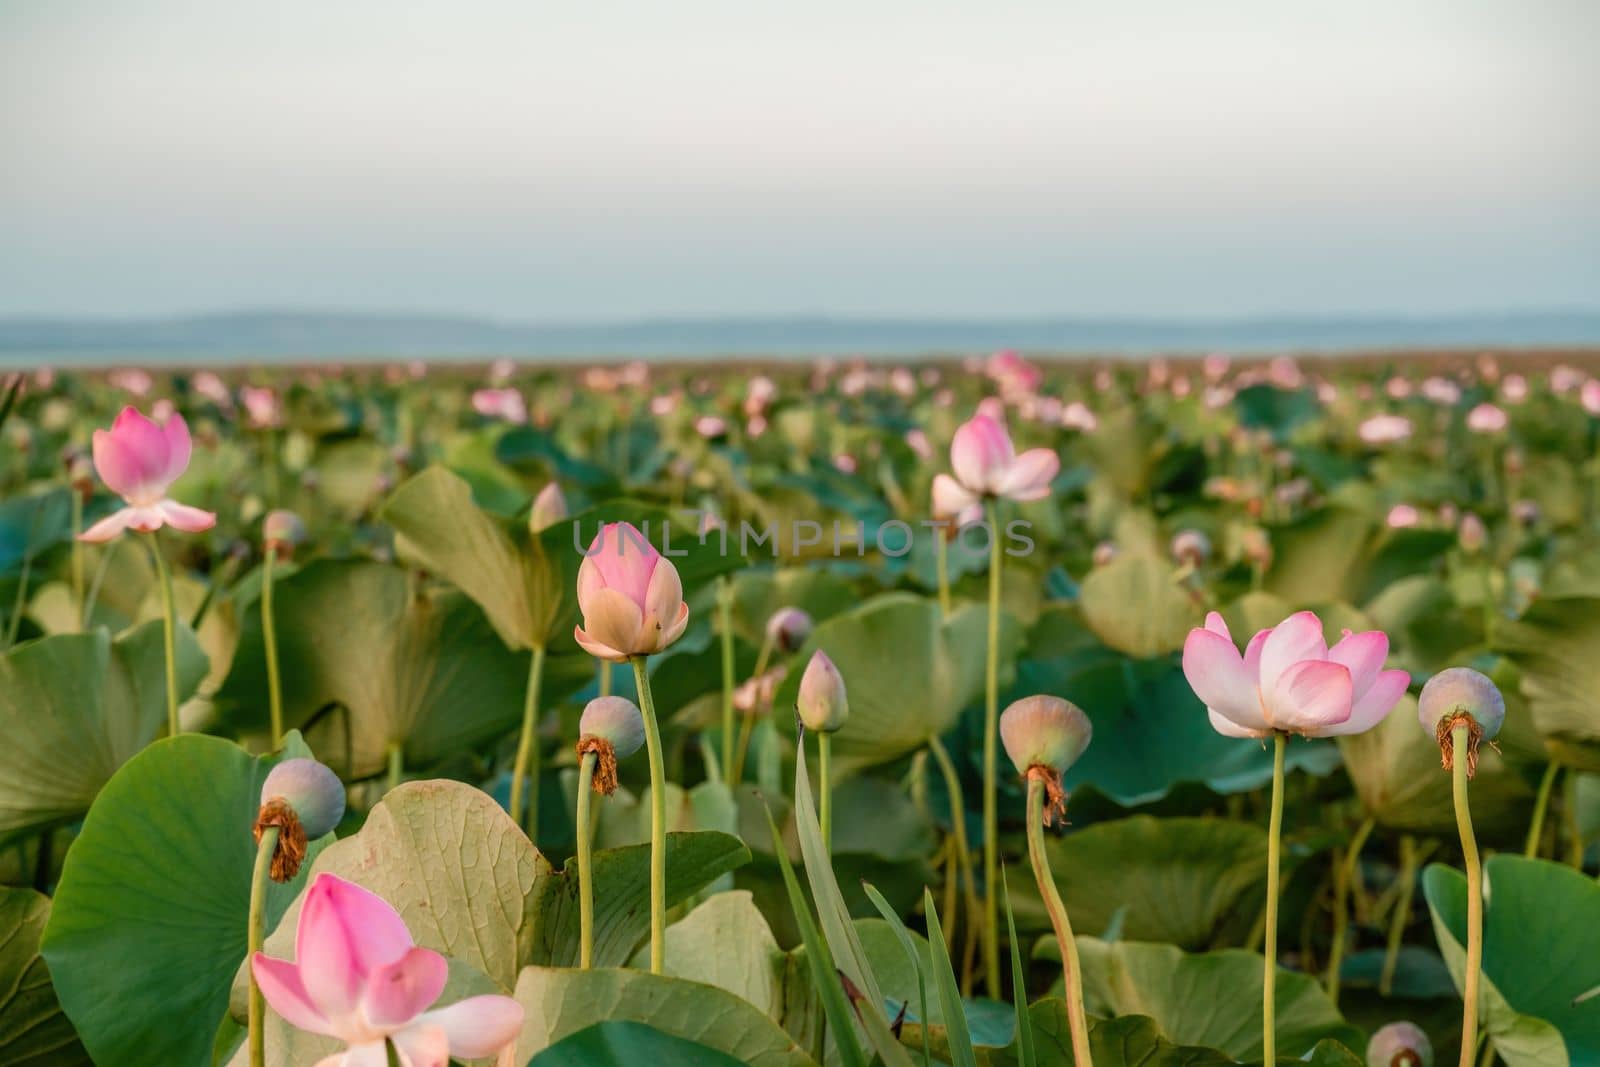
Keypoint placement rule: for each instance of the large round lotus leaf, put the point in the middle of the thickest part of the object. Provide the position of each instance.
(1151, 732)
(559, 1002)
(627, 1044)
(1134, 606)
(1319, 558)
(74, 708)
(1556, 644)
(408, 665)
(1427, 628)
(757, 595)
(156, 891)
(1211, 999)
(33, 1030)
(907, 671)
(1541, 954)
(1179, 880)
(31, 523)
(1396, 772)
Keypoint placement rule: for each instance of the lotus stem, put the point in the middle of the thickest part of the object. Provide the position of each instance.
(1269, 978)
(1540, 804)
(1343, 879)
(99, 580)
(605, 677)
(256, 935)
(1071, 971)
(397, 766)
(525, 768)
(169, 621)
(1569, 810)
(747, 725)
(1406, 881)
(1459, 738)
(269, 636)
(658, 820)
(77, 558)
(942, 562)
(825, 791)
(958, 835)
(14, 623)
(991, 737)
(725, 623)
(585, 865)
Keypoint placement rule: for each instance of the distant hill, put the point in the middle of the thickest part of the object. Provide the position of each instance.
(287, 335)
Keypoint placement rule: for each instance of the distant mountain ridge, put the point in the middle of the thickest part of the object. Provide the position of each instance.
(284, 335)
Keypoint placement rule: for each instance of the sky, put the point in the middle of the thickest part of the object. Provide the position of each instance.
(615, 159)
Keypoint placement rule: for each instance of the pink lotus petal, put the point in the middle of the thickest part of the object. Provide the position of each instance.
(1228, 728)
(400, 991)
(662, 598)
(179, 448)
(623, 560)
(422, 1045)
(119, 466)
(598, 649)
(612, 619)
(1309, 697)
(281, 986)
(109, 527)
(1364, 654)
(478, 1026)
(183, 517)
(673, 629)
(1028, 477)
(1218, 625)
(1216, 674)
(1373, 706)
(1299, 637)
(345, 933)
(950, 499)
(364, 1054)
(980, 449)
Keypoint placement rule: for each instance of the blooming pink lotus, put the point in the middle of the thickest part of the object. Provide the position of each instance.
(1487, 418)
(986, 464)
(358, 977)
(630, 596)
(139, 459)
(506, 404)
(1385, 429)
(1290, 681)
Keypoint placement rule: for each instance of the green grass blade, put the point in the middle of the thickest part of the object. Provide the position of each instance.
(1027, 1056)
(834, 1005)
(949, 993)
(910, 946)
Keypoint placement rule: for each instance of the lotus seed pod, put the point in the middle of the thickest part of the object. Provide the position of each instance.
(1191, 547)
(1461, 689)
(823, 706)
(788, 629)
(1400, 1044)
(311, 789)
(549, 508)
(282, 531)
(616, 720)
(1044, 731)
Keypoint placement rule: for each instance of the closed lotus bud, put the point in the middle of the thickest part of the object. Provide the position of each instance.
(282, 531)
(788, 629)
(822, 703)
(1044, 731)
(1456, 696)
(1473, 534)
(1191, 547)
(1400, 1045)
(611, 728)
(303, 800)
(549, 508)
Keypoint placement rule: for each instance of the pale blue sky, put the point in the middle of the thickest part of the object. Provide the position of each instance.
(598, 159)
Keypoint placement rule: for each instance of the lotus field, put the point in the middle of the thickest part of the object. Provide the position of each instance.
(989, 712)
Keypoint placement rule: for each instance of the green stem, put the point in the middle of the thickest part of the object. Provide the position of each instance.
(942, 560)
(526, 765)
(1540, 804)
(1407, 879)
(169, 618)
(1469, 851)
(14, 624)
(99, 580)
(269, 636)
(825, 791)
(1569, 813)
(77, 558)
(1490, 609)
(658, 820)
(991, 776)
(1269, 977)
(585, 865)
(605, 677)
(256, 935)
(1071, 972)
(958, 830)
(747, 724)
(725, 622)
(1343, 879)
(397, 766)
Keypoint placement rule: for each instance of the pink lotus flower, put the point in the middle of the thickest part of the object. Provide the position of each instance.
(261, 404)
(630, 596)
(1289, 680)
(139, 460)
(1012, 373)
(1385, 429)
(359, 977)
(987, 465)
(1487, 418)
(1589, 396)
(1403, 517)
(504, 404)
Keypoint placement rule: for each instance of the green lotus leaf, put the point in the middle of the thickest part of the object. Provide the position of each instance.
(626, 1044)
(34, 1032)
(1134, 606)
(1556, 645)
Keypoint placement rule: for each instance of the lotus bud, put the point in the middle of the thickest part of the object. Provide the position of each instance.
(80, 473)
(612, 728)
(304, 800)
(549, 508)
(282, 531)
(1472, 534)
(1044, 735)
(1456, 696)
(788, 629)
(822, 703)
(1400, 1044)
(1104, 553)
(1191, 547)
(1256, 546)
